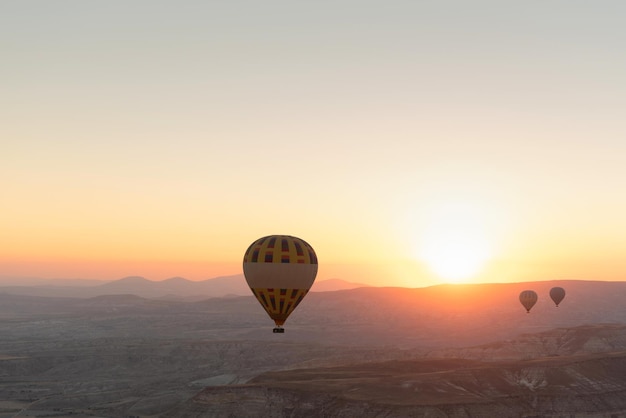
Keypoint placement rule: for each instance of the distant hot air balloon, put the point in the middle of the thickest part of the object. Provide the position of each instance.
(280, 270)
(557, 294)
(528, 298)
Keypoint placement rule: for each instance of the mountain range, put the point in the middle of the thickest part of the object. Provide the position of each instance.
(175, 288)
(445, 351)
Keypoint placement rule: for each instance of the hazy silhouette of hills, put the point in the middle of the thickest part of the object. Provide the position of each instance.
(175, 288)
(330, 285)
(444, 351)
(439, 316)
(455, 315)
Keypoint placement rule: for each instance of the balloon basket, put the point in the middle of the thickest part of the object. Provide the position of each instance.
(279, 330)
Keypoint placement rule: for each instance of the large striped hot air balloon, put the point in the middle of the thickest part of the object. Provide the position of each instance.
(280, 270)
(528, 298)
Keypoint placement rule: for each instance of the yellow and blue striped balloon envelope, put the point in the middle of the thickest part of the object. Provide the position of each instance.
(280, 270)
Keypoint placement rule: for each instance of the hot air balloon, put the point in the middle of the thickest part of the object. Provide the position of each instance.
(528, 298)
(280, 270)
(557, 294)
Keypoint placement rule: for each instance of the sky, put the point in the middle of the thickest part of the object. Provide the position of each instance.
(410, 143)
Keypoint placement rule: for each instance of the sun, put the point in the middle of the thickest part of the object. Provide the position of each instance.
(455, 256)
(454, 245)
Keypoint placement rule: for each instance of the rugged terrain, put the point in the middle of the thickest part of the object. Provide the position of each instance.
(582, 386)
(443, 351)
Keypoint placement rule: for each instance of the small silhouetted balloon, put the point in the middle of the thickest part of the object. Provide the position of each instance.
(557, 294)
(528, 298)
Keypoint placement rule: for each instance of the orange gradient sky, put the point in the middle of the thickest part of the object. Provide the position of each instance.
(410, 143)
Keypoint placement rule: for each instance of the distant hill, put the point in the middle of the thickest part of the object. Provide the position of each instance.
(175, 288)
(335, 284)
(430, 318)
(442, 351)
(455, 315)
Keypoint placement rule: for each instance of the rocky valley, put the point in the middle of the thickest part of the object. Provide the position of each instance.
(441, 351)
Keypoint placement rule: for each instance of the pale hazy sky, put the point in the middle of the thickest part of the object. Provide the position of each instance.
(161, 138)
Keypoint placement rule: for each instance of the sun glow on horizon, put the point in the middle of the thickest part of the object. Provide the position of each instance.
(455, 245)
(456, 255)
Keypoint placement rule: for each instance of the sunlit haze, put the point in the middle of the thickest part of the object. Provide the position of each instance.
(454, 242)
(410, 143)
